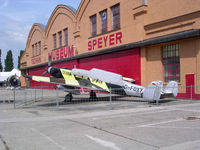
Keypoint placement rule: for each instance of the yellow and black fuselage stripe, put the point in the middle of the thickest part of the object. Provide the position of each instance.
(83, 81)
(77, 81)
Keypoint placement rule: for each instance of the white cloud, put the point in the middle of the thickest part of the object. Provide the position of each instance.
(17, 18)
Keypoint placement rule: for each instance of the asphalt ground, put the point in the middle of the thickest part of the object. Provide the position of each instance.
(122, 125)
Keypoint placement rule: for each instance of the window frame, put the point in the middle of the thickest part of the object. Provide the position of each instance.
(66, 36)
(60, 39)
(39, 45)
(93, 25)
(54, 41)
(33, 50)
(115, 11)
(36, 49)
(171, 62)
(104, 23)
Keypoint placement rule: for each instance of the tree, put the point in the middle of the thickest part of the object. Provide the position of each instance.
(20, 55)
(1, 67)
(9, 61)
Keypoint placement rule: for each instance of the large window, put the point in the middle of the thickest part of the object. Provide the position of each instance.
(104, 26)
(54, 41)
(115, 17)
(66, 36)
(39, 44)
(93, 22)
(33, 51)
(171, 62)
(60, 38)
(36, 49)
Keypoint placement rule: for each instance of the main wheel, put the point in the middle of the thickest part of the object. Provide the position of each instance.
(68, 97)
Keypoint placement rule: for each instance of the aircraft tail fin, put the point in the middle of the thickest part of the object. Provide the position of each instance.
(153, 91)
(171, 90)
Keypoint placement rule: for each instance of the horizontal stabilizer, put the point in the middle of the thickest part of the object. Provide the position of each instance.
(171, 89)
(153, 91)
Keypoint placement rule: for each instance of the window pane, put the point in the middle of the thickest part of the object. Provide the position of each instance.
(33, 50)
(39, 43)
(60, 39)
(36, 50)
(171, 63)
(54, 41)
(115, 17)
(93, 21)
(66, 36)
(103, 15)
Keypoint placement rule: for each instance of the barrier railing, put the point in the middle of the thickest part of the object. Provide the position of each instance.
(42, 96)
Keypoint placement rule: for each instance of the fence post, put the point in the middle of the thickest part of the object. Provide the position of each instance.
(110, 98)
(57, 102)
(42, 93)
(4, 101)
(25, 102)
(14, 98)
(191, 92)
(35, 94)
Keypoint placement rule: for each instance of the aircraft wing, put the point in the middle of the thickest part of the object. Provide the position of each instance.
(72, 81)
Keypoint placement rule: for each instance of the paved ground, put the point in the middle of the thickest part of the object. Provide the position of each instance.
(95, 126)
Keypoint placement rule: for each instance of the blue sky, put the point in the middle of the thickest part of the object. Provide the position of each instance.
(17, 18)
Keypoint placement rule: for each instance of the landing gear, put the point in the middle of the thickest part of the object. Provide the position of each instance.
(68, 97)
(93, 95)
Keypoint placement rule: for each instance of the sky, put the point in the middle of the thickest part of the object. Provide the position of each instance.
(17, 18)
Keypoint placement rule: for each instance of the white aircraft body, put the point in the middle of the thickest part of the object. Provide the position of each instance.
(71, 80)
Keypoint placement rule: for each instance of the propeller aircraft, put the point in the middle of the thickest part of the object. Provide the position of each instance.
(71, 80)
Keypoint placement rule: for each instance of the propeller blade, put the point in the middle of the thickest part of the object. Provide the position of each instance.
(44, 73)
(66, 68)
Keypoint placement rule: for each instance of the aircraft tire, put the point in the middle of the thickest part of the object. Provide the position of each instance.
(68, 97)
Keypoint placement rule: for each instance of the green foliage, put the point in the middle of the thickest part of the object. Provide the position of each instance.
(20, 55)
(1, 67)
(9, 61)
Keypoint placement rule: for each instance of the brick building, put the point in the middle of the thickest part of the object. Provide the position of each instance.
(142, 39)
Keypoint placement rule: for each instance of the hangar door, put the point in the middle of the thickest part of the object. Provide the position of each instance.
(126, 63)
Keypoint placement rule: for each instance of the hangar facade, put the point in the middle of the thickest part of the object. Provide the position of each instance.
(141, 39)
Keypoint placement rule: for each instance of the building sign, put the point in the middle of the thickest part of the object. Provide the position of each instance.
(105, 41)
(61, 53)
(36, 60)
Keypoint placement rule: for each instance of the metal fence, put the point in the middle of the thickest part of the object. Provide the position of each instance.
(45, 97)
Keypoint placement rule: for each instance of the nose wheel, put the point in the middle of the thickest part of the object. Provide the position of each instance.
(68, 97)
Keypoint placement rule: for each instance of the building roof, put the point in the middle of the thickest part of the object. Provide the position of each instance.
(72, 8)
(42, 25)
